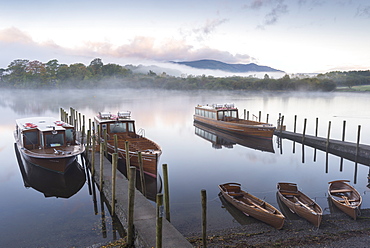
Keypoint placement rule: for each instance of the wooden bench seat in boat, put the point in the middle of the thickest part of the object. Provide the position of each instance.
(333, 191)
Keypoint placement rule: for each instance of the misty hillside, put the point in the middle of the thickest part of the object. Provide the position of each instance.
(217, 65)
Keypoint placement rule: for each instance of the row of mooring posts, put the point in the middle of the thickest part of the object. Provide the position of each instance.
(327, 143)
(254, 117)
(93, 140)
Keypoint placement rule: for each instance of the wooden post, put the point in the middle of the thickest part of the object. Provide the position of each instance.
(114, 171)
(267, 118)
(159, 220)
(93, 156)
(142, 176)
(204, 217)
(248, 115)
(295, 123)
(61, 114)
(343, 138)
(304, 130)
(357, 151)
(344, 130)
(245, 114)
(131, 206)
(105, 141)
(317, 127)
(328, 137)
(166, 192)
(358, 141)
(88, 142)
(101, 165)
(127, 148)
(259, 116)
(281, 125)
(83, 121)
(327, 149)
(115, 143)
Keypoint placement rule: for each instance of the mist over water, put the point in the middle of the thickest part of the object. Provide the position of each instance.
(193, 162)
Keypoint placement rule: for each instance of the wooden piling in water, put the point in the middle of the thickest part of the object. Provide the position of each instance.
(245, 114)
(142, 176)
(131, 201)
(159, 209)
(114, 171)
(267, 118)
(93, 156)
(304, 130)
(115, 143)
(248, 115)
(204, 217)
(259, 116)
(101, 165)
(166, 192)
(127, 148)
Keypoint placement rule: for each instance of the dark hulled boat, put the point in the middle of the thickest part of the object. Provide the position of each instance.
(47, 142)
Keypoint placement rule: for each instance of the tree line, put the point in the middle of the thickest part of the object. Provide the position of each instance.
(22, 73)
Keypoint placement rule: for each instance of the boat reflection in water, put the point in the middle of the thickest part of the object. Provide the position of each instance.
(239, 216)
(221, 139)
(152, 185)
(50, 183)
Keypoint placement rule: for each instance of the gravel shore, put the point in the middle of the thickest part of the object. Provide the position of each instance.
(336, 230)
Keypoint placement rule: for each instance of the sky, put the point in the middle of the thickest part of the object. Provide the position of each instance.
(295, 36)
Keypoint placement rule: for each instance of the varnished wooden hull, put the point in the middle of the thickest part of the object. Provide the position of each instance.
(239, 126)
(252, 205)
(345, 197)
(301, 204)
(150, 153)
(220, 138)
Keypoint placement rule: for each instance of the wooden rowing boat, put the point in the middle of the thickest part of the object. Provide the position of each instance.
(252, 205)
(345, 197)
(226, 117)
(300, 203)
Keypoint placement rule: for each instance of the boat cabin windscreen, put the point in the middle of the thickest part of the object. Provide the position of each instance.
(30, 139)
(54, 140)
(69, 136)
(121, 127)
(227, 113)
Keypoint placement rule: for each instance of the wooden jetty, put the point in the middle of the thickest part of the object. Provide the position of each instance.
(355, 152)
(144, 213)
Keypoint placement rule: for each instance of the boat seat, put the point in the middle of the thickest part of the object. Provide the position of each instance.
(289, 193)
(236, 195)
(340, 191)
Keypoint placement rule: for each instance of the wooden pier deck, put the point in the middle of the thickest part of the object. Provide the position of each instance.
(144, 213)
(348, 150)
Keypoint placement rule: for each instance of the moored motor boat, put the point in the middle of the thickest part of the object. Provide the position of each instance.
(252, 205)
(300, 203)
(226, 117)
(345, 197)
(124, 128)
(47, 142)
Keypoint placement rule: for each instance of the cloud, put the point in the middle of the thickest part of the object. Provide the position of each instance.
(209, 26)
(275, 9)
(13, 34)
(16, 44)
(363, 11)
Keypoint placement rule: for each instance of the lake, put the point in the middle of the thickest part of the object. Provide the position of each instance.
(29, 219)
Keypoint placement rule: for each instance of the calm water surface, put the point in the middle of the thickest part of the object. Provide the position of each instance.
(29, 219)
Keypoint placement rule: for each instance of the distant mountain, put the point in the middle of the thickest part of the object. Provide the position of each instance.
(217, 65)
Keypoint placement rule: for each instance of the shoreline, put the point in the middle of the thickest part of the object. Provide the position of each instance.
(336, 230)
